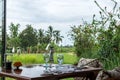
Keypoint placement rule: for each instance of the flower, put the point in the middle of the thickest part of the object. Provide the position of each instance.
(17, 64)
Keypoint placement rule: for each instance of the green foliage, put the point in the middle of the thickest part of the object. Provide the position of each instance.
(57, 36)
(83, 38)
(14, 42)
(41, 48)
(111, 62)
(42, 37)
(34, 49)
(14, 30)
(28, 37)
(13, 39)
(100, 38)
(54, 35)
(66, 49)
(108, 37)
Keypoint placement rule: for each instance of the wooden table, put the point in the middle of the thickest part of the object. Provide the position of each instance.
(37, 72)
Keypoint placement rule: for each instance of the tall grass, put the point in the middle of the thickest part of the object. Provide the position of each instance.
(112, 61)
(69, 58)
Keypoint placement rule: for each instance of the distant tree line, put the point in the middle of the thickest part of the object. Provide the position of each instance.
(32, 40)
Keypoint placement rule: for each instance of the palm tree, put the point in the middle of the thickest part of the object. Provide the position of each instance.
(54, 35)
(50, 31)
(57, 36)
(40, 36)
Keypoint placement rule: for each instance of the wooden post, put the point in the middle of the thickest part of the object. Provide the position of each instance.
(3, 51)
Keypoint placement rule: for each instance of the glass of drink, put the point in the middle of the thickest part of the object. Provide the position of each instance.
(60, 59)
(46, 59)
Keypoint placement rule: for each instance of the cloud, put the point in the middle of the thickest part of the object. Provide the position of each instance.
(47, 11)
(53, 11)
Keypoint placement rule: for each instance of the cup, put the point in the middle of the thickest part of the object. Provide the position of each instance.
(8, 65)
(46, 59)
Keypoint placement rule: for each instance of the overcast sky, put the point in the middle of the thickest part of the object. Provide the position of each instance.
(61, 14)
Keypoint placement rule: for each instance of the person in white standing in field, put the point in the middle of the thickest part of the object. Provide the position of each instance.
(13, 50)
(18, 51)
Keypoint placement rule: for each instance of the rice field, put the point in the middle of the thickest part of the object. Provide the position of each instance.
(69, 58)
